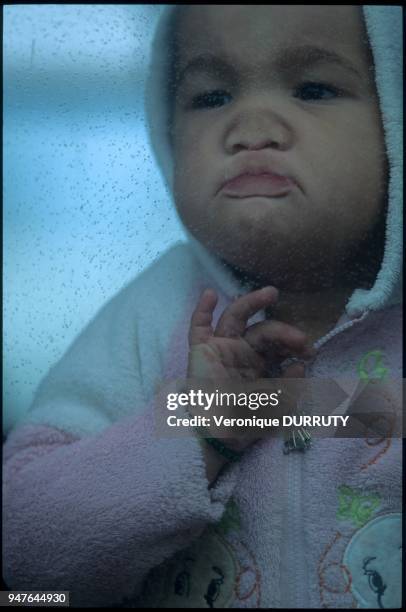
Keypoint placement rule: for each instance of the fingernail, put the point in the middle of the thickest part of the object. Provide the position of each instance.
(274, 289)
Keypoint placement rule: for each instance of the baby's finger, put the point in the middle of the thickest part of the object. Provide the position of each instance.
(278, 340)
(233, 321)
(200, 328)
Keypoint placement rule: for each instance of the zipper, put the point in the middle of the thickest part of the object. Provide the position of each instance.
(294, 574)
(294, 569)
(294, 577)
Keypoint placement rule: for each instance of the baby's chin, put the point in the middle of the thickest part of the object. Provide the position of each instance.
(255, 233)
(254, 220)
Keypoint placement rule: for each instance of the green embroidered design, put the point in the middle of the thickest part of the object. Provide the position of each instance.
(356, 507)
(230, 521)
(370, 366)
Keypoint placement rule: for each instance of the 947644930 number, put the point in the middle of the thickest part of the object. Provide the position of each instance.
(34, 598)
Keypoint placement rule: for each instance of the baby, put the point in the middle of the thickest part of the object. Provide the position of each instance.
(276, 129)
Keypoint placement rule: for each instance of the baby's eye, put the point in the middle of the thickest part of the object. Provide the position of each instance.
(315, 91)
(211, 99)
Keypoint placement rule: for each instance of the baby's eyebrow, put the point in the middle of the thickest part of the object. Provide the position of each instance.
(286, 59)
(306, 55)
(207, 63)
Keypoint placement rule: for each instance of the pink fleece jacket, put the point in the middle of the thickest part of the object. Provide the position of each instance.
(96, 504)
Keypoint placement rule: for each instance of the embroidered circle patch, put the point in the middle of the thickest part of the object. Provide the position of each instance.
(203, 576)
(374, 560)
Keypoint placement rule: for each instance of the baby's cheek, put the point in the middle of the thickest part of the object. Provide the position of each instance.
(372, 160)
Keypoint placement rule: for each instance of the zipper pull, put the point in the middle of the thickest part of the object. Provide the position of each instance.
(299, 439)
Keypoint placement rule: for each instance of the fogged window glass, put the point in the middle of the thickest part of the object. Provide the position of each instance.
(84, 203)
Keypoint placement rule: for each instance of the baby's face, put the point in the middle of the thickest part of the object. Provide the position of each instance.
(252, 98)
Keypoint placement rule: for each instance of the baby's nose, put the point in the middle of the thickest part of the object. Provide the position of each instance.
(255, 132)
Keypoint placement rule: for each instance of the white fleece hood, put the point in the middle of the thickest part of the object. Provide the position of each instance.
(384, 29)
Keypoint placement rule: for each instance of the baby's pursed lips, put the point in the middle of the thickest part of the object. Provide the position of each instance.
(258, 172)
(264, 184)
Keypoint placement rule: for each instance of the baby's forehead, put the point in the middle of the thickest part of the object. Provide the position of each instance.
(311, 18)
(265, 28)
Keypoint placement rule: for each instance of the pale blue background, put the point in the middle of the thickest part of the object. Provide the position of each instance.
(85, 208)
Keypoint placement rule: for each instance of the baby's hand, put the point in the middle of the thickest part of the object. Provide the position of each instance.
(234, 351)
